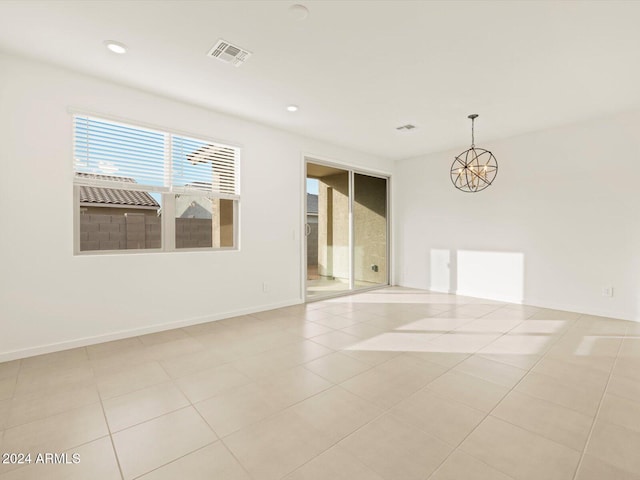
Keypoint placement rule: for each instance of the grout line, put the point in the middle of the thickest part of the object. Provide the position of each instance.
(489, 414)
(104, 414)
(595, 417)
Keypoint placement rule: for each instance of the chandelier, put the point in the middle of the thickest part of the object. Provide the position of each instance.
(474, 169)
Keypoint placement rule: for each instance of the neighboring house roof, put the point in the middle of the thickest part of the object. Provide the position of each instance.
(312, 203)
(114, 196)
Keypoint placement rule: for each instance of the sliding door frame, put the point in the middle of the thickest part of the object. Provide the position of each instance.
(352, 170)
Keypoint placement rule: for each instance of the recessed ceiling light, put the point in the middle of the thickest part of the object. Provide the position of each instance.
(115, 47)
(292, 108)
(298, 12)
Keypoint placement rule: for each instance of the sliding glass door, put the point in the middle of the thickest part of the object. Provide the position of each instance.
(346, 230)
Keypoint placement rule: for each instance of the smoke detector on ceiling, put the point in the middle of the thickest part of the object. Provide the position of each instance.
(229, 53)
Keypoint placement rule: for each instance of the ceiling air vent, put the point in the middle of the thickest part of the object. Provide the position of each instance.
(408, 126)
(229, 53)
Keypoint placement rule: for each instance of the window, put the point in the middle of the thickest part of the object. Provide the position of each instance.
(142, 189)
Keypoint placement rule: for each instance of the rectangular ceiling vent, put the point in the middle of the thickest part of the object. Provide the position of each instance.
(229, 53)
(408, 126)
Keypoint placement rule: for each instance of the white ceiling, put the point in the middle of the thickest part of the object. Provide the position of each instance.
(357, 69)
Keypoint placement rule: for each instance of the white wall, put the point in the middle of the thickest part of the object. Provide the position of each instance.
(560, 222)
(51, 299)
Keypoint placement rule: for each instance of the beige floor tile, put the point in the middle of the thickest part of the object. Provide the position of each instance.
(333, 321)
(476, 309)
(336, 340)
(436, 325)
(518, 345)
(489, 325)
(42, 404)
(308, 330)
(494, 372)
(447, 360)
(106, 348)
(548, 314)
(291, 386)
(9, 369)
(238, 408)
(460, 342)
(337, 367)
(5, 406)
(616, 445)
(472, 391)
(57, 433)
(336, 413)
(592, 468)
(276, 446)
(526, 310)
(136, 407)
(552, 421)
(624, 387)
(627, 367)
(460, 466)
(541, 326)
(184, 365)
(135, 378)
(334, 464)
(213, 381)
(621, 411)
(65, 358)
(157, 442)
(96, 461)
(597, 363)
(582, 399)
(360, 315)
(519, 453)
(525, 362)
(174, 348)
(48, 377)
(389, 383)
(209, 463)
(279, 359)
(603, 325)
(507, 313)
(572, 373)
(396, 450)
(204, 328)
(371, 357)
(363, 330)
(441, 417)
(396, 341)
(7, 387)
(576, 343)
(115, 361)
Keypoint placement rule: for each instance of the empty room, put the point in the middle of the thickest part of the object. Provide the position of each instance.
(319, 240)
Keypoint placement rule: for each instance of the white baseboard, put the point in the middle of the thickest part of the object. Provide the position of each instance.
(134, 332)
(534, 302)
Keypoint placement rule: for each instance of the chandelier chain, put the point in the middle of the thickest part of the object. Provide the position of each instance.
(473, 140)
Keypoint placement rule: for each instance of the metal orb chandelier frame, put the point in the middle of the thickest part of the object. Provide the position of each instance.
(474, 169)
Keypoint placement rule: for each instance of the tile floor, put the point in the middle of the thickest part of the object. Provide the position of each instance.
(395, 384)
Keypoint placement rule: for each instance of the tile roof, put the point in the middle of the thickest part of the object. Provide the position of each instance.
(114, 196)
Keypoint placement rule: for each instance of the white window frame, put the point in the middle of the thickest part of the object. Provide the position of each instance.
(168, 194)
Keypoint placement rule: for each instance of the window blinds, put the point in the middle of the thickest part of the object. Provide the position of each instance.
(108, 152)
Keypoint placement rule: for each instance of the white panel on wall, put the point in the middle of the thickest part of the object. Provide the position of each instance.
(560, 223)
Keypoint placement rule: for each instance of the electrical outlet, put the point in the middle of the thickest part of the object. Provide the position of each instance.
(265, 287)
(607, 291)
